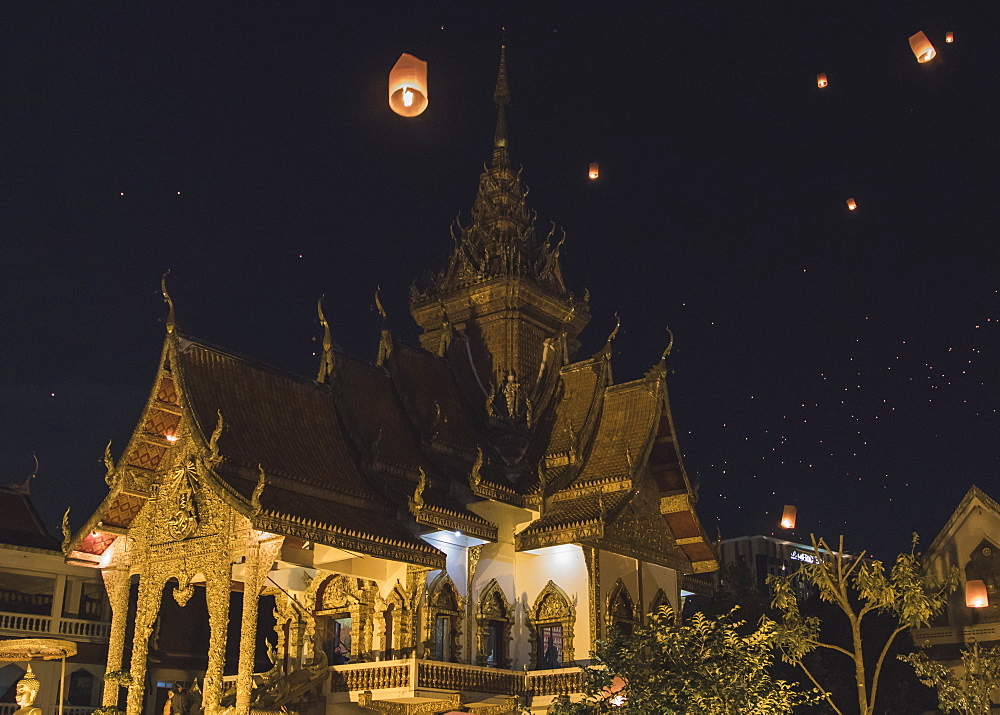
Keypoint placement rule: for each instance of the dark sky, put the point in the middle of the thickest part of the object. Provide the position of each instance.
(844, 362)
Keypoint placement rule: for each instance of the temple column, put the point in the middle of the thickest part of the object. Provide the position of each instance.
(217, 588)
(145, 614)
(116, 582)
(259, 557)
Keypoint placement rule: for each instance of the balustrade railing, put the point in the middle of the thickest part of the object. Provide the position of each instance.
(74, 627)
(413, 674)
(947, 634)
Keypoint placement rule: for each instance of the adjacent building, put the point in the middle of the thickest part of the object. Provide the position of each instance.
(454, 525)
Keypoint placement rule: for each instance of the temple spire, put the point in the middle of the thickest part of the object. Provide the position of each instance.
(501, 97)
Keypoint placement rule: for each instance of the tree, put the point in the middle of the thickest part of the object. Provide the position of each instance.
(704, 668)
(967, 693)
(857, 586)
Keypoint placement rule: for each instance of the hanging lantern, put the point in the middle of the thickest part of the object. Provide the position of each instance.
(922, 47)
(788, 517)
(408, 86)
(949, 37)
(975, 594)
(852, 204)
(821, 80)
(595, 170)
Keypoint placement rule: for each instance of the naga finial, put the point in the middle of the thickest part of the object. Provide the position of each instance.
(418, 493)
(378, 303)
(171, 322)
(109, 466)
(25, 486)
(475, 477)
(213, 442)
(257, 491)
(670, 344)
(66, 532)
(614, 332)
(326, 359)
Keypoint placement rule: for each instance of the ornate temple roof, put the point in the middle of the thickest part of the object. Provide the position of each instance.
(370, 456)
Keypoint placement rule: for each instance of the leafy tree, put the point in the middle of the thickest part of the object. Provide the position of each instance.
(967, 693)
(858, 587)
(706, 667)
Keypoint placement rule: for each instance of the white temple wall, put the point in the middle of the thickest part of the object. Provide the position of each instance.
(654, 578)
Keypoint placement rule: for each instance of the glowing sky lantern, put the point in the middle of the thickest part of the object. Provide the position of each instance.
(922, 48)
(595, 170)
(852, 205)
(975, 594)
(788, 517)
(821, 80)
(408, 86)
(949, 37)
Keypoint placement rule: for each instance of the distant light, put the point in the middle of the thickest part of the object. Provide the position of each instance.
(852, 204)
(172, 437)
(975, 594)
(408, 86)
(949, 37)
(595, 170)
(922, 48)
(458, 533)
(121, 193)
(178, 193)
(788, 517)
(821, 80)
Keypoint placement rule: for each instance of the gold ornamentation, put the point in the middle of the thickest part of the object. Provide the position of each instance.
(183, 590)
(326, 359)
(67, 533)
(255, 504)
(183, 522)
(213, 442)
(171, 323)
(552, 606)
(418, 493)
(592, 557)
(109, 467)
(475, 478)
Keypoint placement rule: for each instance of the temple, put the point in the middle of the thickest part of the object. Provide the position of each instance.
(450, 528)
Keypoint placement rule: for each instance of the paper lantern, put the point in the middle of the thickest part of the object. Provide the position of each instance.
(922, 48)
(852, 204)
(821, 80)
(595, 170)
(788, 517)
(949, 37)
(408, 86)
(975, 594)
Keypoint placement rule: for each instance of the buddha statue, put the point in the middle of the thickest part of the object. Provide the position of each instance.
(26, 692)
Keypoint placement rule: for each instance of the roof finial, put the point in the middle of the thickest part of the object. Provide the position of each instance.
(614, 332)
(25, 487)
(501, 97)
(171, 324)
(326, 361)
(670, 345)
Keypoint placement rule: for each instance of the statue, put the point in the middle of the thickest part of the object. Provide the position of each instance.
(26, 692)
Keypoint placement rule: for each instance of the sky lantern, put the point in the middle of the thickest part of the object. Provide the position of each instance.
(408, 86)
(922, 47)
(975, 594)
(949, 37)
(821, 80)
(852, 205)
(788, 517)
(595, 170)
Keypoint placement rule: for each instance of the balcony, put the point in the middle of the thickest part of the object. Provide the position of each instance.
(960, 636)
(19, 625)
(415, 678)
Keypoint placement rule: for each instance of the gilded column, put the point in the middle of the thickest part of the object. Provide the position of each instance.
(259, 558)
(217, 587)
(145, 614)
(116, 582)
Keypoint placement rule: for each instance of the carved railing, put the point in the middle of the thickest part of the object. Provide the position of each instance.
(413, 675)
(385, 675)
(74, 627)
(9, 708)
(562, 681)
(455, 676)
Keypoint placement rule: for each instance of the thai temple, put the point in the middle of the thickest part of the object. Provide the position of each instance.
(450, 528)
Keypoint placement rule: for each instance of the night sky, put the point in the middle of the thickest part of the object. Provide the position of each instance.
(845, 362)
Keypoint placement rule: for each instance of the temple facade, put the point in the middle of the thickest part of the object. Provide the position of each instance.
(449, 528)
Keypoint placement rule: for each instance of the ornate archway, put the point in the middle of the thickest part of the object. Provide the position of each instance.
(443, 624)
(493, 627)
(551, 622)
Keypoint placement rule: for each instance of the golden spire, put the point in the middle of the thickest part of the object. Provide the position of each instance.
(171, 324)
(501, 97)
(326, 360)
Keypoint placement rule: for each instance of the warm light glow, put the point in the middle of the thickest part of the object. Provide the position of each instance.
(788, 517)
(821, 80)
(172, 437)
(595, 170)
(922, 48)
(617, 701)
(949, 37)
(975, 594)
(408, 86)
(851, 204)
